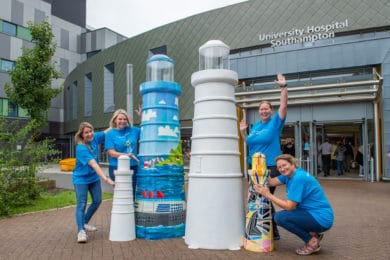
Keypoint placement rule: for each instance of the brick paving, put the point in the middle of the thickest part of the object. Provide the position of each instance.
(361, 231)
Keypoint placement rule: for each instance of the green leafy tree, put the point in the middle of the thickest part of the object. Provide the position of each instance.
(33, 73)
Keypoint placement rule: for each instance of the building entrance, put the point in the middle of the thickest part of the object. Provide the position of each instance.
(349, 140)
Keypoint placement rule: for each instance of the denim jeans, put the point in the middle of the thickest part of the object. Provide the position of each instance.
(340, 168)
(81, 190)
(298, 222)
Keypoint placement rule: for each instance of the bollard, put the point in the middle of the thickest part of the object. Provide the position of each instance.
(122, 226)
(215, 210)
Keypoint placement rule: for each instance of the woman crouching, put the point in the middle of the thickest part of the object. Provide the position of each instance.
(307, 212)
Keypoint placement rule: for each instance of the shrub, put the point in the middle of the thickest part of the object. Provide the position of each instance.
(21, 156)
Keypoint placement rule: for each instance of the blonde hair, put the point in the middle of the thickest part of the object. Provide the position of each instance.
(287, 157)
(116, 114)
(79, 134)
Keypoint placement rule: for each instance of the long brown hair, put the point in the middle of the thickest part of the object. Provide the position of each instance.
(79, 134)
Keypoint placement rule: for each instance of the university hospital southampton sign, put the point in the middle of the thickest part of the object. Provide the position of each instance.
(308, 34)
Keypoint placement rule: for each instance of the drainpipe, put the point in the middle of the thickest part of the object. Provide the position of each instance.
(378, 131)
(245, 147)
(129, 90)
(377, 142)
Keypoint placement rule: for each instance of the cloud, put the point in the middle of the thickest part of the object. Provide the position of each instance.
(149, 114)
(175, 118)
(167, 131)
(162, 102)
(177, 101)
(118, 14)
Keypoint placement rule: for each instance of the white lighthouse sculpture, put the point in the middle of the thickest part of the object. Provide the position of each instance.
(215, 207)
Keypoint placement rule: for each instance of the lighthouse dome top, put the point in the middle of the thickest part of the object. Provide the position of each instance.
(159, 57)
(159, 67)
(214, 55)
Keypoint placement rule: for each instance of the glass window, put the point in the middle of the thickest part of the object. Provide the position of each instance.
(9, 28)
(92, 53)
(24, 33)
(7, 65)
(109, 105)
(74, 100)
(158, 50)
(22, 112)
(64, 67)
(12, 109)
(88, 94)
(67, 104)
(3, 107)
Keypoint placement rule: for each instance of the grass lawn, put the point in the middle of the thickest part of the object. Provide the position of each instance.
(53, 199)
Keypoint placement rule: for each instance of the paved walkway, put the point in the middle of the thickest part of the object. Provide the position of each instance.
(361, 231)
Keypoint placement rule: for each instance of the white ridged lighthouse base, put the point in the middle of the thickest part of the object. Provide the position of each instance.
(215, 212)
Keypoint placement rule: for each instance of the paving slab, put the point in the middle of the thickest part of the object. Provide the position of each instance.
(361, 231)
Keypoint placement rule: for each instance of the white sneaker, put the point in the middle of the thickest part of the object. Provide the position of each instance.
(88, 227)
(82, 236)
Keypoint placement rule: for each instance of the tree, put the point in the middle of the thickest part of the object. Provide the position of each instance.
(33, 73)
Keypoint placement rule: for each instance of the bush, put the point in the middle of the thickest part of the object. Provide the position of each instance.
(21, 156)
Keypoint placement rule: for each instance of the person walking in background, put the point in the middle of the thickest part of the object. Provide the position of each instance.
(333, 156)
(290, 147)
(348, 156)
(340, 157)
(122, 139)
(306, 148)
(264, 136)
(86, 177)
(187, 155)
(359, 160)
(306, 212)
(326, 150)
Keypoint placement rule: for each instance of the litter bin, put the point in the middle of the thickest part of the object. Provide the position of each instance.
(67, 165)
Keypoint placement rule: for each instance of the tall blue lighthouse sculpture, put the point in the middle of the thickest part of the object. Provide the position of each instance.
(160, 198)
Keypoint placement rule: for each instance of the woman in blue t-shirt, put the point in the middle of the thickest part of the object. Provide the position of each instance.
(86, 177)
(264, 136)
(122, 139)
(307, 212)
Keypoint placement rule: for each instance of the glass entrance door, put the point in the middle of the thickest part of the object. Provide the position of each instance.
(350, 134)
(305, 141)
(308, 136)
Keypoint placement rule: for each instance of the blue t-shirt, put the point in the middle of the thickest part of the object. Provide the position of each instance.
(122, 141)
(83, 173)
(305, 190)
(265, 138)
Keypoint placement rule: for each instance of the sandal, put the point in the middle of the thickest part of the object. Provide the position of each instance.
(308, 249)
(319, 236)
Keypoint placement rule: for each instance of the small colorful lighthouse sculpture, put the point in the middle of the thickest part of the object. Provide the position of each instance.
(258, 232)
(160, 198)
(215, 213)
